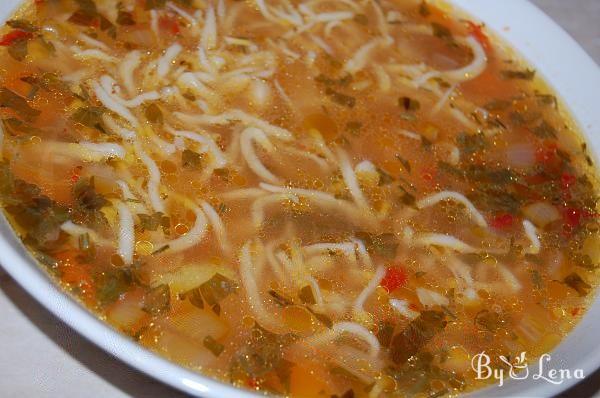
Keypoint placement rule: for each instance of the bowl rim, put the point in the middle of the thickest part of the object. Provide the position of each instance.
(543, 36)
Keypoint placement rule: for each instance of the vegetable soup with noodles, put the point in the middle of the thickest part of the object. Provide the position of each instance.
(320, 198)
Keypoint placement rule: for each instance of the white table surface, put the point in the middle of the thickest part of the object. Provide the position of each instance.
(40, 357)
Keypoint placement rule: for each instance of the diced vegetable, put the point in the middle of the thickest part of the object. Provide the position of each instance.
(541, 213)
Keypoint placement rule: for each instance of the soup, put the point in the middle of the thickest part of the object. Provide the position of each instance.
(328, 198)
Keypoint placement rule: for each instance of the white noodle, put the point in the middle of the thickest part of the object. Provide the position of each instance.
(109, 102)
(322, 163)
(193, 236)
(442, 240)
(321, 43)
(154, 180)
(532, 235)
(182, 13)
(327, 201)
(363, 254)
(247, 138)
(351, 180)
(410, 134)
(237, 115)
(209, 32)
(362, 55)
(221, 9)
(217, 225)
(249, 282)
(383, 79)
(442, 101)
(350, 328)
(105, 150)
(273, 260)
(243, 194)
(258, 207)
(126, 68)
(92, 42)
(76, 230)
(468, 72)
(347, 248)
(430, 298)
(93, 54)
(369, 289)
(209, 145)
(1, 140)
(166, 61)
(460, 116)
(154, 23)
(113, 126)
(140, 99)
(402, 307)
(474, 69)
(508, 276)
(126, 233)
(316, 290)
(457, 197)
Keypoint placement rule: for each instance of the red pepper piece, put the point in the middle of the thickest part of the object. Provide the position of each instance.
(502, 221)
(169, 24)
(395, 277)
(477, 32)
(13, 36)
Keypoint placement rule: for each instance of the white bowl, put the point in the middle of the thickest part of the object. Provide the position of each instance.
(555, 55)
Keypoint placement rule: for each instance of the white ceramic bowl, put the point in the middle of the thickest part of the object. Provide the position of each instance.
(545, 45)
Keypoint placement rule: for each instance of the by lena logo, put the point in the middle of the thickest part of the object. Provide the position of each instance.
(518, 369)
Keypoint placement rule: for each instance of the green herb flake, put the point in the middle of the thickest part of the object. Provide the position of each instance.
(471, 143)
(487, 320)
(424, 10)
(194, 296)
(385, 333)
(409, 104)
(158, 300)
(111, 284)
(497, 105)
(574, 281)
(280, 299)
(261, 353)
(90, 117)
(155, 4)
(354, 128)
(384, 245)
(536, 279)
(22, 24)
(213, 345)
(154, 114)
(405, 163)
(384, 178)
(441, 31)
(545, 130)
(361, 19)
(340, 98)
(527, 74)
(217, 288)
(10, 99)
(416, 335)
(125, 18)
(306, 295)
(191, 160)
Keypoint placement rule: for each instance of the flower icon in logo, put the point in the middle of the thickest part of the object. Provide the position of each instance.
(519, 369)
(520, 360)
